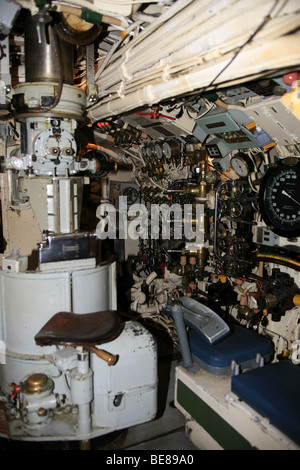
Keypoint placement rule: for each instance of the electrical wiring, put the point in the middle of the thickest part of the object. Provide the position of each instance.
(249, 40)
(124, 36)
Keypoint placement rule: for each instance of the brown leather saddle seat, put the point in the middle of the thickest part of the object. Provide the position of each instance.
(77, 329)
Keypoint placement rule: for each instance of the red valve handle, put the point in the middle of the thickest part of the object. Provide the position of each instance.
(15, 390)
(156, 115)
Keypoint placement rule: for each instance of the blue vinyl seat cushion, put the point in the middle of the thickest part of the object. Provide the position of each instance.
(241, 346)
(273, 391)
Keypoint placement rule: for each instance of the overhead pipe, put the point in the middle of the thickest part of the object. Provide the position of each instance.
(140, 47)
(157, 49)
(252, 62)
(152, 47)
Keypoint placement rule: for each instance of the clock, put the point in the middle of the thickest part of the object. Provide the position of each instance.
(279, 200)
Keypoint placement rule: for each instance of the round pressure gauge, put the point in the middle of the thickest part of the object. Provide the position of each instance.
(167, 150)
(279, 200)
(150, 149)
(211, 176)
(171, 148)
(242, 164)
(158, 151)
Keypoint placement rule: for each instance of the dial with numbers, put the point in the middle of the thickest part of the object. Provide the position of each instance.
(279, 200)
(242, 164)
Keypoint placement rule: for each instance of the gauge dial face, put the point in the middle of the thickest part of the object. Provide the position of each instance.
(149, 149)
(211, 176)
(241, 164)
(279, 200)
(167, 150)
(158, 151)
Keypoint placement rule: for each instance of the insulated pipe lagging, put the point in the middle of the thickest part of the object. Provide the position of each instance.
(176, 37)
(251, 62)
(177, 313)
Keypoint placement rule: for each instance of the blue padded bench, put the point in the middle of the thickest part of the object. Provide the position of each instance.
(240, 345)
(273, 391)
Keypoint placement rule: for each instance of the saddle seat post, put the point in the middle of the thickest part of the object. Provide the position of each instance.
(82, 332)
(82, 390)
